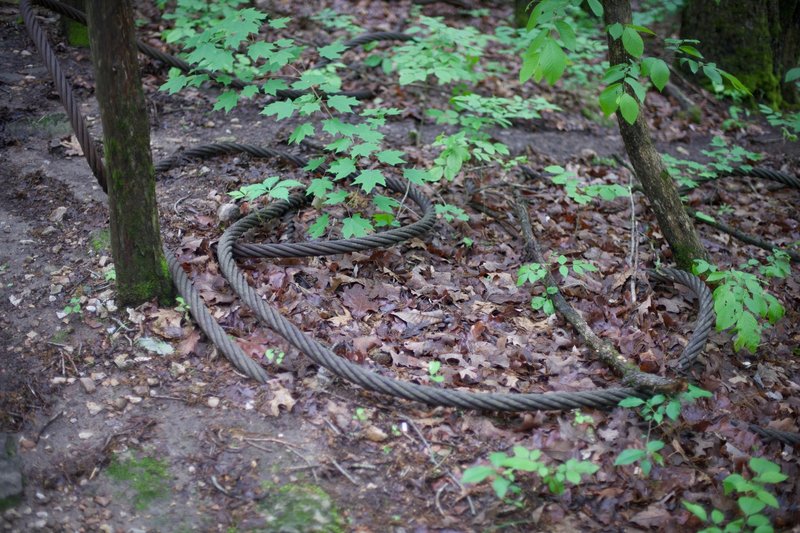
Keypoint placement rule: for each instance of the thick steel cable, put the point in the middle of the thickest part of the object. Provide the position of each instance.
(318, 352)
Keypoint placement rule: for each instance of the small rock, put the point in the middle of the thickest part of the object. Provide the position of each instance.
(120, 403)
(49, 230)
(58, 380)
(134, 399)
(122, 361)
(213, 401)
(228, 212)
(93, 408)
(105, 528)
(102, 501)
(27, 443)
(88, 385)
(56, 289)
(58, 214)
(153, 382)
(375, 434)
(83, 435)
(177, 369)
(141, 390)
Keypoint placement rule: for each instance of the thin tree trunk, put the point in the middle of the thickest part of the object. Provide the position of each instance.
(658, 185)
(142, 272)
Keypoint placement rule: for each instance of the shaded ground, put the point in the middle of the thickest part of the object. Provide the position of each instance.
(89, 405)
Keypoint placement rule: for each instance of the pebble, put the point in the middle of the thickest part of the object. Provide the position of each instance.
(93, 408)
(213, 401)
(58, 214)
(228, 212)
(88, 385)
(83, 435)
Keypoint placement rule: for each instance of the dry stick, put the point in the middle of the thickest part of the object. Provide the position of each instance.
(634, 260)
(630, 373)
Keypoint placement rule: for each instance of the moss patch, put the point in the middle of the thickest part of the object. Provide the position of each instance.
(300, 508)
(100, 241)
(146, 476)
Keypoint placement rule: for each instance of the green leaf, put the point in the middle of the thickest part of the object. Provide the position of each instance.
(342, 104)
(792, 74)
(609, 98)
(501, 486)
(631, 402)
(280, 23)
(341, 168)
(314, 164)
(567, 34)
(659, 74)
(696, 510)
(391, 157)
(673, 410)
(333, 50)
(384, 203)
(319, 187)
(363, 149)
(629, 456)
(760, 465)
(368, 179)
(417, 176)
(301, 132)
(356, 226)
(615, 30)
(768, 498)
(748, 332)
(654, 445)
(628, 108)
(632, 42)
(335, 198)
(227, 101)
(281, 109)
(271, 87)
(750, 505)
(596, 7)
(476, 474)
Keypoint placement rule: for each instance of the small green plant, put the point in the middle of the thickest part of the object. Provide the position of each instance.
(752, 497)
(361, 414)
(433, 371)
(583, 194)
(274, 356)
(110, 273)
(73, 307)
(580, 418)
(505, 471)
(654, 411)
(789, 123)
(723, 159)
(466, 241)
(274, 187)
(740, 297)
(147, 477)
(738, 118)
(533, 272)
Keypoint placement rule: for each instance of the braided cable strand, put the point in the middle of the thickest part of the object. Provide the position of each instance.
(315, 350)
(64, 89)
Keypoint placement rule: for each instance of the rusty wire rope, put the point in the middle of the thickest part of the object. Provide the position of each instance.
(229, 248)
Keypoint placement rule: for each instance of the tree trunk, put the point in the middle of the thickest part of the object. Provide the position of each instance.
(658, 185)
(755, 40)
(142, 272)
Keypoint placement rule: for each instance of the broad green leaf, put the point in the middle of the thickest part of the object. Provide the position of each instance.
(501, 486)
(696, 510)
(384, 203)
(363, 149)
(368, 179)
(356, 226)
(654, 446)
(638, 88)
(748, 332)
(553, 62)
(342, 104)
(476, 474)
(280, 23)
(281, 109)
(596, 7)
(335, 198)
(615, 30)
(227, 101)
(628, 107)
(768, 498)
(567, 34)
(609, 98)
(792, 74)
(341, 168)
(690, 50)
(750, 505)
(271, 87)
(417, 176)
(632, 42)
(301, 132)
(391, 157)
(317, 229)
(631, 402)
(659, 74)
(314, 164)
(629, 456)
(760, 465)
(332, 51)
(319, 186)
(673, 410)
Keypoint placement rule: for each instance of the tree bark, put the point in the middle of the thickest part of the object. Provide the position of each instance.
(658, 185)
(755, 40)
(141, 269)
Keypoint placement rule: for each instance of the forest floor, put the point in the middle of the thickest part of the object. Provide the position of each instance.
(128, 420)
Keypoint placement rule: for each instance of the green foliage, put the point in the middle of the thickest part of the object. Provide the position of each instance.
(789, 123)
(752, 497)
(273, 187)
(433, 371)
(451, 212)
(274, 356)
(689, 56)
(533, 272)
(505, 471)
(583, 194)
(442, 52)
(740, 297)
(182, 307)
(723, 159)
(73, 307)
(332, 20)
(147, 477)
(654, 411)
